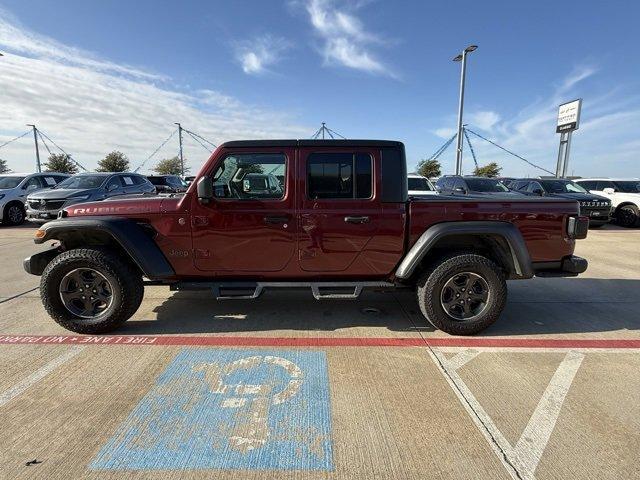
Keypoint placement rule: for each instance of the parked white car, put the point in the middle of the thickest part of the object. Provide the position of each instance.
(14, 188)
(624, 194)
(420, 186)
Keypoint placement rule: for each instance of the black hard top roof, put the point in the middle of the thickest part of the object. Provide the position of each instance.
(311, 143)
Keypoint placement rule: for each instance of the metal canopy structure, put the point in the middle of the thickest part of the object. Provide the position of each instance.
(465, 132)
(324, 130)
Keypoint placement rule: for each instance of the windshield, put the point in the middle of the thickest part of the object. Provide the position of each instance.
(629, 187)
(557, 186)
(83, 181)
(420, 184)
(176, 182)
(485, 185)
(10, 182)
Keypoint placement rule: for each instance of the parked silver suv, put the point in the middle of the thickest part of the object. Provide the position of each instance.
(85, 187)
(14, 188)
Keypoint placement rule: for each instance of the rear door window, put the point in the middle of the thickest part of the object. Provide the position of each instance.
(605, 184)
(339, 175)
(588, 185)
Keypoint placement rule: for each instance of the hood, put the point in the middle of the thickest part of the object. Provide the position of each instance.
(510, 194)
(580, 197)
(60, 193)
(123, 206)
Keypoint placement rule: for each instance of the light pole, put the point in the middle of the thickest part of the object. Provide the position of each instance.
(461, 58)
(35, 139)
(180, 140)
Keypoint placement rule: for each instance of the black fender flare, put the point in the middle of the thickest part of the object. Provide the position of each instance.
(128, 234)
(519, 254)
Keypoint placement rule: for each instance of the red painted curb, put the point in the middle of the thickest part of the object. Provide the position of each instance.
(183, 340)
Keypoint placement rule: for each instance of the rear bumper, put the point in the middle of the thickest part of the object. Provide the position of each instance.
(569, 266)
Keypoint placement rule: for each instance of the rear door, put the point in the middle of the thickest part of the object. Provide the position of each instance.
(339, 211)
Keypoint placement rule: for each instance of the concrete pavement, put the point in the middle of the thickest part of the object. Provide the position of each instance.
(384, 396)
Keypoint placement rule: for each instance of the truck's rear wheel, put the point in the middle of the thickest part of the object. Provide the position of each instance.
(90, 290)
(462, 294)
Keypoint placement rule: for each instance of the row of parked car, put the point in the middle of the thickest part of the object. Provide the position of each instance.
(40, 196)
(601, 199)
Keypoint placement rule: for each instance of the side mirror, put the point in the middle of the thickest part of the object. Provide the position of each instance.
(460, 190)
(205, 190)
(609, 191)
(538, 191)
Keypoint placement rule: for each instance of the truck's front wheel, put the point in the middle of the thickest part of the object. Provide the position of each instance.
(90, 290)
(462, 294)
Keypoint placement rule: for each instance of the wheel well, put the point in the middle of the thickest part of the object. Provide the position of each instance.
(94, 238)
(11, 203)
(625, 204)
(494, 247)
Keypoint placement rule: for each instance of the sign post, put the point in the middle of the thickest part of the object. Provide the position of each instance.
(568, 121)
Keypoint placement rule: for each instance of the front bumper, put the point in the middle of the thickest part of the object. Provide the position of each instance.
(596, 215)
(35, 264)
(570, 266)
(41, 214)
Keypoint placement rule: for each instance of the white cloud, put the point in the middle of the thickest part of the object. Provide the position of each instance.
(445, 132)
(255, 56)
(605, 143)
(484, 119)
(91, 106)
(345, 39)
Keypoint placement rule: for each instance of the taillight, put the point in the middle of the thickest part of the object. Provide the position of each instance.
(577, 227)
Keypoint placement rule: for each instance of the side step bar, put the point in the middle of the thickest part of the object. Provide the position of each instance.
(252, 290)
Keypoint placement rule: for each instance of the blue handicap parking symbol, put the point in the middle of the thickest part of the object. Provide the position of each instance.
(229, 409)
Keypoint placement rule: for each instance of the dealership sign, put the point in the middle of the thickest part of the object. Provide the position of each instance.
(569, 116)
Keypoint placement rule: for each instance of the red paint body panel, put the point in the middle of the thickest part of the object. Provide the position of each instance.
(541, 223)
(229, 238)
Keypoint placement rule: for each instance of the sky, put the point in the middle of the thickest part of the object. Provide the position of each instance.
(116, 75)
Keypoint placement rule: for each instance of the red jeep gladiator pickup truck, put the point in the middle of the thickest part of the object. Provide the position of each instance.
(330, 215)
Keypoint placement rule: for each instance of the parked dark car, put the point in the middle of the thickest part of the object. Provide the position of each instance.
(168, 183)
(597, 208)
(507, 181)
(463, 185)
(84, 187)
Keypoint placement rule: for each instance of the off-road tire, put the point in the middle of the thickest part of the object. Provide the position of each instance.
(126, 283)
(628, 216)
(433, 280)
(8, 217)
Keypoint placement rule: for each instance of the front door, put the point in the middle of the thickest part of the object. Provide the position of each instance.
(250, 225)
(338, 209)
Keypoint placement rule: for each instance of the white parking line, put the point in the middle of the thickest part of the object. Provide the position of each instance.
(38, 375)
(536, 434)
(522, 460)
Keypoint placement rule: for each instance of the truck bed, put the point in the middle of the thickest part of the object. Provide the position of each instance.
(540, 220)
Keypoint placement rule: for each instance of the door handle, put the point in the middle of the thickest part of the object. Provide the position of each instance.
(356, 219)
(276, 219)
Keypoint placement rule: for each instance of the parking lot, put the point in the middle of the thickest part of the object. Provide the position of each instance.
(288, 387)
